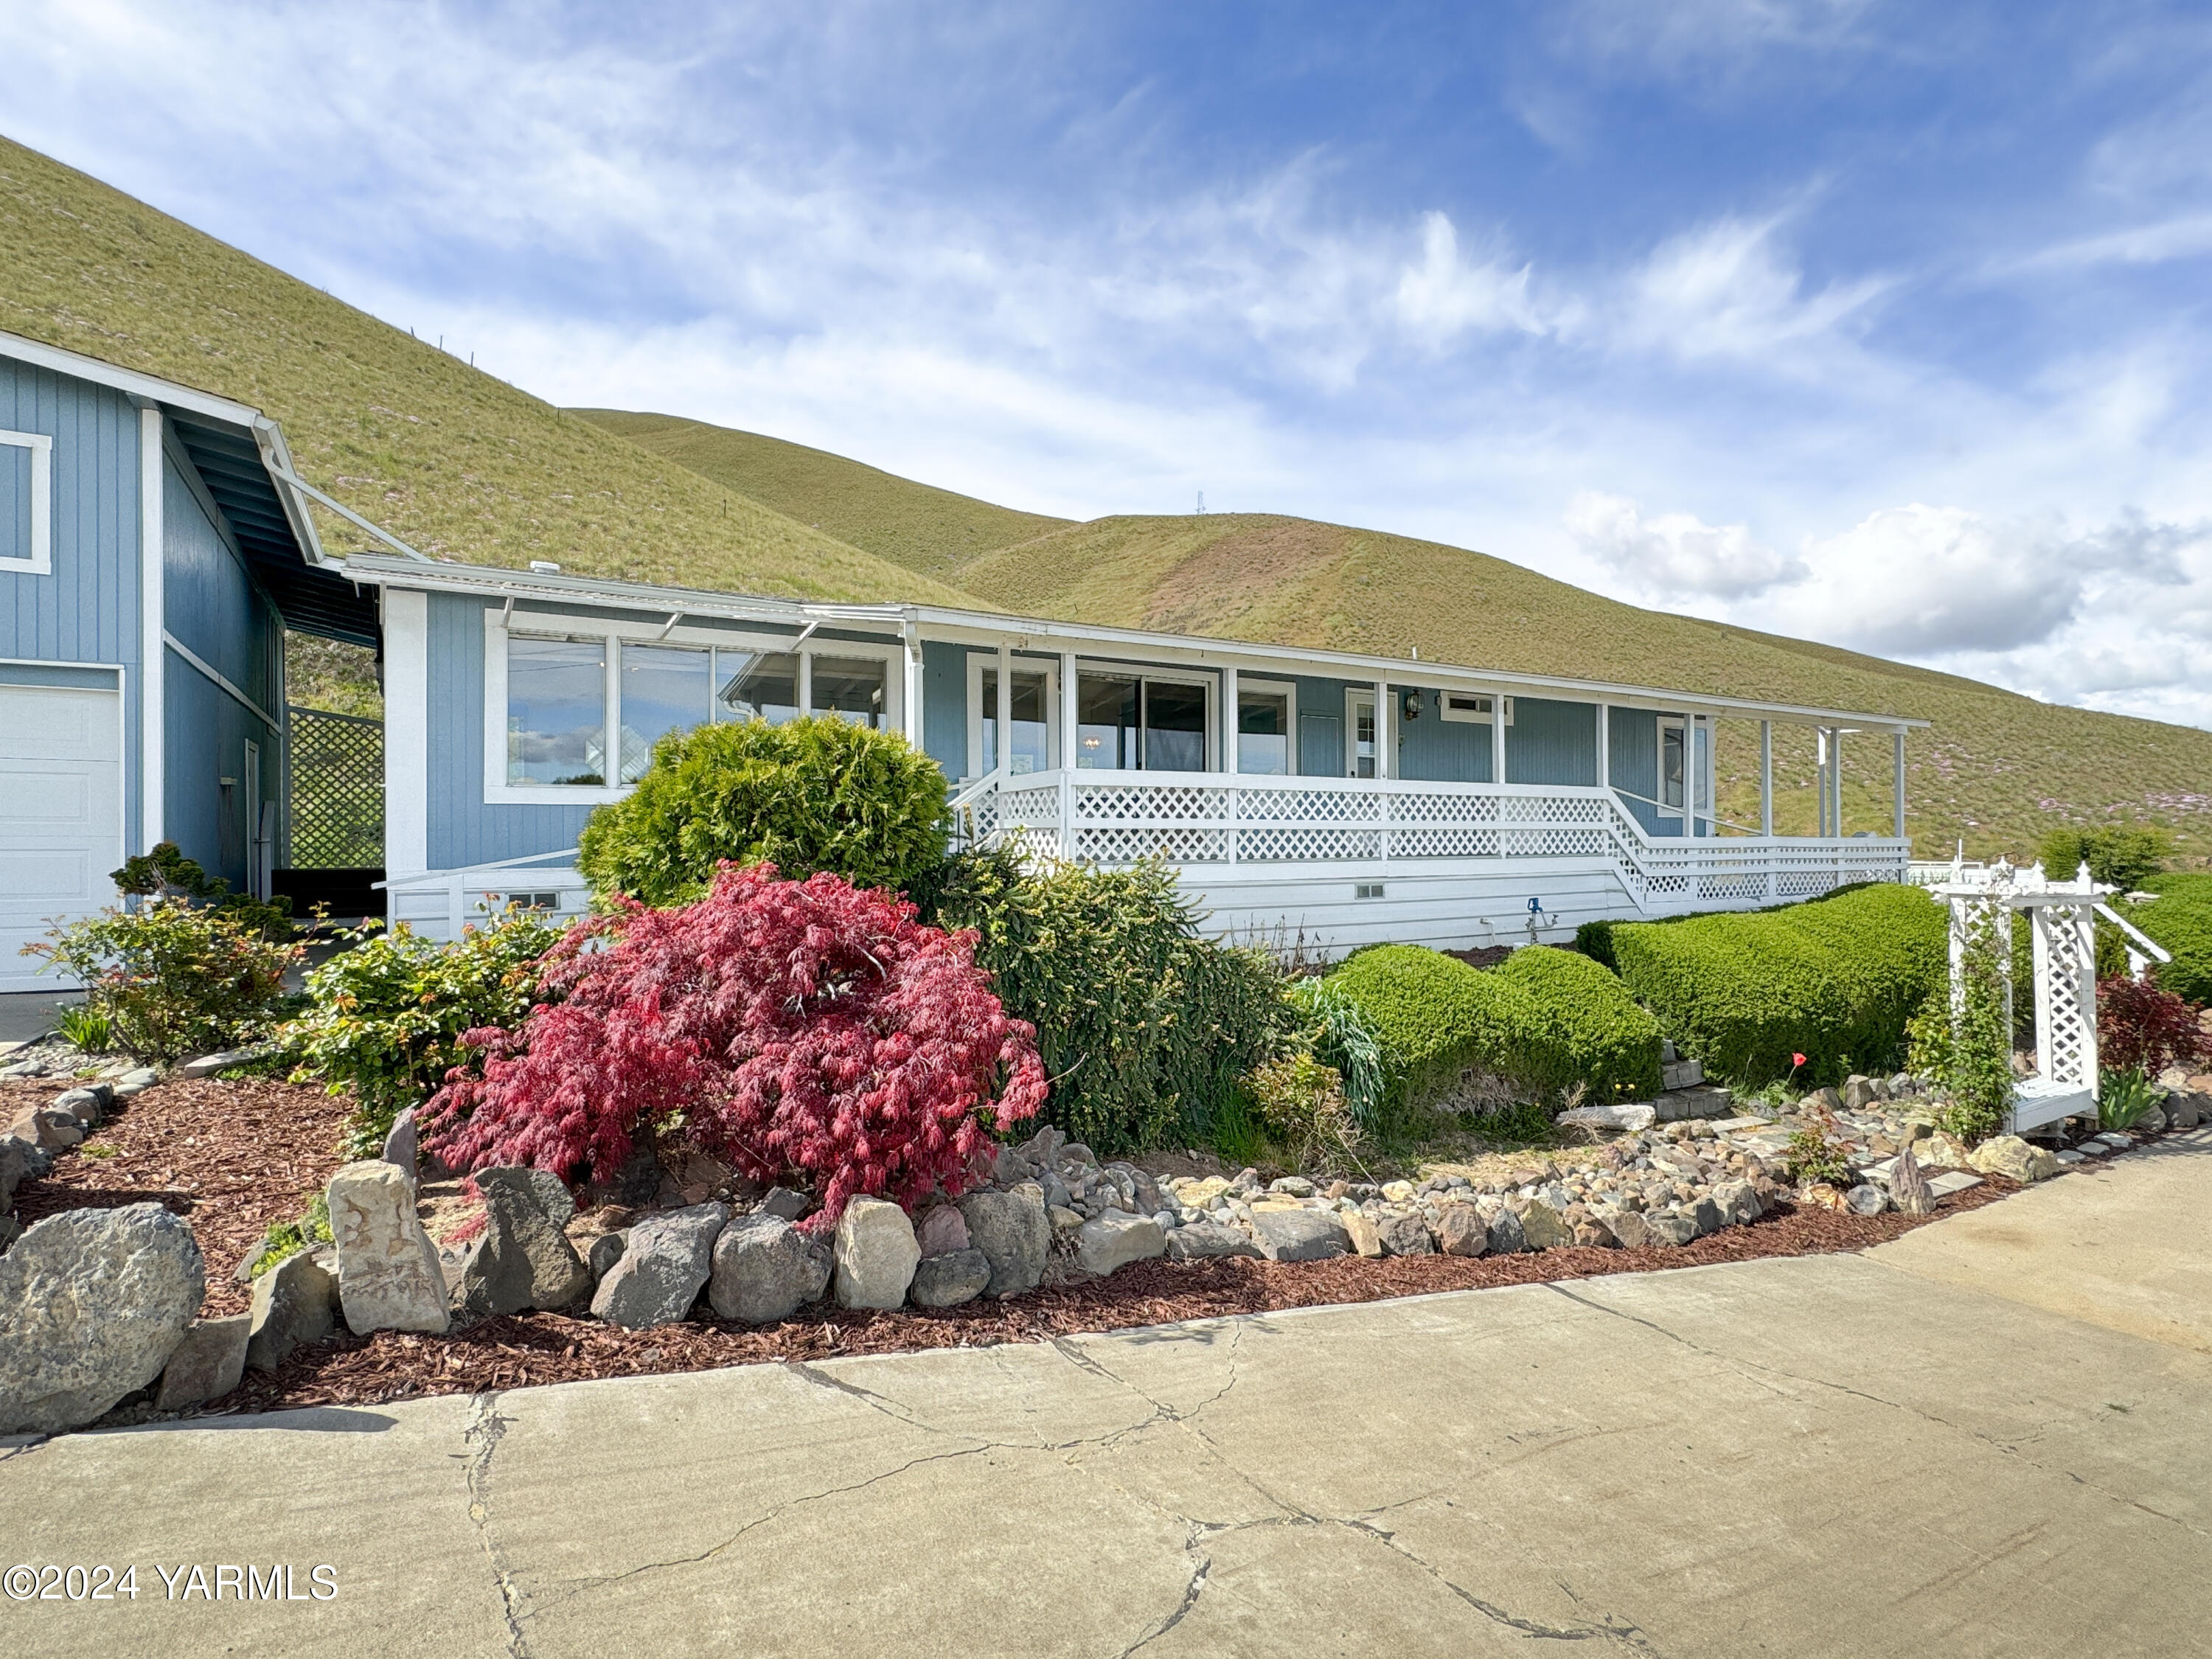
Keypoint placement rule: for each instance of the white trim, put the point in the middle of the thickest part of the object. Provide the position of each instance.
(974, 627)
(124, 380)
(210, 672)
(39, 561)
(1354, 696)
(406, 732)
(153, 615)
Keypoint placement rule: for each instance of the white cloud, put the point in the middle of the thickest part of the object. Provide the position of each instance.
(1675, 554)
(1725, 290)
(1443, 297)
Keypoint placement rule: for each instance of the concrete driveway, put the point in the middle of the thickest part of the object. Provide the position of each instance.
(1901, 1453)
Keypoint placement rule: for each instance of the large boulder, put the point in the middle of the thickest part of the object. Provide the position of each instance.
(1113, 1238)
(2014, 1158)
(403, 1146)
(1202, 1240)
(1462, 1232)
(1543, 1227)
(207, 1365)
(766, 1269)
(664, 1265)
(948, 1281)
(20, 1160)
(92, 1305)
(1408, 1234)
(389, 1277)
(941, 1231)
(1299, 1235)
(876, 1254)
(294, 1302)
(1012, 1230)
(522, 1260)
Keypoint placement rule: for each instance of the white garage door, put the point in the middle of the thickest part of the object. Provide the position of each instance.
(61, 816)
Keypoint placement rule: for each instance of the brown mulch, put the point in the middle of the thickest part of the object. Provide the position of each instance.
(1488, 956)
(530, 1349)
(232, 1157)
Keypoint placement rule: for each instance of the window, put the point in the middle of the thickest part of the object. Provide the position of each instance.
(1106, 712)
(665, 689)
(27, 516)
(1475, 708)
(1360, 712)
(1673, 764)
(1367, 890)
(1264, 725)
(557, 711)
(756, 685)
(850, 688)
(1175, 726)
(1129, 721)
(1029, 713)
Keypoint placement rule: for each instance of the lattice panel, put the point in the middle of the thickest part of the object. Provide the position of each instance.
(2066, 1039)
(1041, 844)
(1128, 845)
(1554, 842)
(1117, 802)
(1444, 841)
(1030, 805)
(1307, 806)
(1313, 845)
(1722, 889)
(1440, 809)
(336, 789)
(1803, 884)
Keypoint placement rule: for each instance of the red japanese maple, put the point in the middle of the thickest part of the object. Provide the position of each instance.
(2139, 1024)
(784, 1027)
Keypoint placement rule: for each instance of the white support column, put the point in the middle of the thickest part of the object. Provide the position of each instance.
(1498, 739)
(406, 732)
(1006, 703)
(910, 691)
(1386, 731)
(153, 653)
(1766, 778)
(1228, 721)
(1070, 737)
(1836, 772)
(1897, 783)
(805, 691)
(1605, 746)
(610, 666)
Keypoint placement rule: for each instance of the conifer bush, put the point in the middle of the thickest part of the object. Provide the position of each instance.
(808, 1030)
(808, 795)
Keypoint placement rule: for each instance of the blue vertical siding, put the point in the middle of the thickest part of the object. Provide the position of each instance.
(1634, 765)
(86, 609)
(944, 705)
(1552, 741)
(1439, 750)
(209, 602)
(1321, 726)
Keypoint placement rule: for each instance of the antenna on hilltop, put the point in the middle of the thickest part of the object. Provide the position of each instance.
(1202, 501)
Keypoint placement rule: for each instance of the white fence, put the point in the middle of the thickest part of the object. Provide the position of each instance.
(1256, 824)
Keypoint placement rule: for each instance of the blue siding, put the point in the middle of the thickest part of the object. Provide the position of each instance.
(86, 609)
(464, 829)
(1552, 741)
(208, 732)
(944, 705)
(86, 679)
(1633, 760)
(209, 602)
(1438, 751)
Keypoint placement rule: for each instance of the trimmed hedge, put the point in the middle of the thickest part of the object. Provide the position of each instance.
(1545, 1020)
(2180, 919)
(1837, 980)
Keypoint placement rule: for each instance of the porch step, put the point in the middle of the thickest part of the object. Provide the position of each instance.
(1681, 1074)
(1677, 1105)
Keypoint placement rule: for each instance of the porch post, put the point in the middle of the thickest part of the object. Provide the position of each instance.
(1497, 740)
(1604, 745)
(1229, 719)
(1069, 736)
(1766, 778)
(910, 708)
(1004, 729)
(1386, 731)
(1897, 781)
(804, 689)
(1836, 778)
(1820, 779)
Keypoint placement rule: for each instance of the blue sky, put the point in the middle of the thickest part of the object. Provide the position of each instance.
(1885, 324)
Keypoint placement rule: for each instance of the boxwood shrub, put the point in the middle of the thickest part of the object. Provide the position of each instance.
(808, 795)
(1544, 1022)
(1837, 980)
(2180, 919)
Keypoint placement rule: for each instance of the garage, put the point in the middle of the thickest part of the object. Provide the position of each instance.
(61, 815)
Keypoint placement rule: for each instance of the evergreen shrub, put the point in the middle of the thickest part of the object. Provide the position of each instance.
(1145, 1027)
(2180, 919)
(2124, 856)
(1609, 1045)
(1837, 978)
(808, 795)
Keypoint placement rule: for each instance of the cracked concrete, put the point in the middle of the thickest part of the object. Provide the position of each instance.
(1823, 1455)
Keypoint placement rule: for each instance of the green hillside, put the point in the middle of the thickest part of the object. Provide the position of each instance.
(456, 462)
(915, 525)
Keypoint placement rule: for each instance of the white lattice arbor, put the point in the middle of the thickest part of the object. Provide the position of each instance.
(2062, 928)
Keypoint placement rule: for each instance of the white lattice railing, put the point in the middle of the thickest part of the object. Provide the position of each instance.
(1217, 818)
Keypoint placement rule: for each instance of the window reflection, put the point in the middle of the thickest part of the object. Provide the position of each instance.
(1107, 733)
(557, 711)
(665, 689)
(1263, 732)
(1029, 711)
(1175, 726)
(851, 688)
(756, 685)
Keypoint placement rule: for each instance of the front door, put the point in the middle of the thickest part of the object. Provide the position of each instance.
(1672, 792)
(1359, 728)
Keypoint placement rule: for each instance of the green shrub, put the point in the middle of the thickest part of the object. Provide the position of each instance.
(1301, 1101)
(288, 1238)
(2124, 855)
(807, 795)
(1837, 978)
(1340, 1040)
(1145, 1027)
(2180, 919)
(173, 978)
(85, 1030)
(1610, 1046)
(1967, 1052)
(166, 873)
(384, 1018)
(1595, 940)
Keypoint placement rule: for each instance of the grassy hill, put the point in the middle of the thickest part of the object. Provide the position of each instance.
(914, 525)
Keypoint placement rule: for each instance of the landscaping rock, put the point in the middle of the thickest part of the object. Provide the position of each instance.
(663, 1265)
(401, 1146)
(49, 1128)
(294, 1302)
(1866, 1199)
(1739, 1201)
(1366, 1237)
(92, 1305)
(1544, 1227)
(1010, 1230)
(2014, 1159)
(1634, 1116)
(1107, 1241)
(1042, 1149)
(606, 1250)
(1669, 1227)
(766, 1269)
(948, 1281)
(1201, 1241)
(209, 1065)
(941, 1231)
(1630, 1228)
(20, 1160)
(136, 1082)
(1908, 1187)
(1299, 1235)
(783, 1202)
(522, 1260)
(389, 1276)
(1950, 1181)
(1504, 1235)
(1408, 1234)
(1291, 1186)
(876, 1254)
(207, 1365)
(87, 1105)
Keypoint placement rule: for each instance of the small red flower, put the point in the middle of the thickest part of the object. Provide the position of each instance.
(1796, 1060)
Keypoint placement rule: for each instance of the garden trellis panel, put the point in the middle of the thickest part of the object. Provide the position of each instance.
(337, 790)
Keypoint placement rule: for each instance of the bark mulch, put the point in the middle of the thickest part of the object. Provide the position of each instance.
(539, 1348)
(232, 1157)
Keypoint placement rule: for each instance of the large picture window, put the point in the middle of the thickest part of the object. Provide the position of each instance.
(1128, 722)
(557, 711)
(1030, 714)
(664, 689)
(756, 685)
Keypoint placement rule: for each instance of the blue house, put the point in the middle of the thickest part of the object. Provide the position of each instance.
(155, 545)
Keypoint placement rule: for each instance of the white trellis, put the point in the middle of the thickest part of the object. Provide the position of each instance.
(2062, 927)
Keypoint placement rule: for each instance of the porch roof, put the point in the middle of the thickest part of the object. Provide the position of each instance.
(990, 628)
